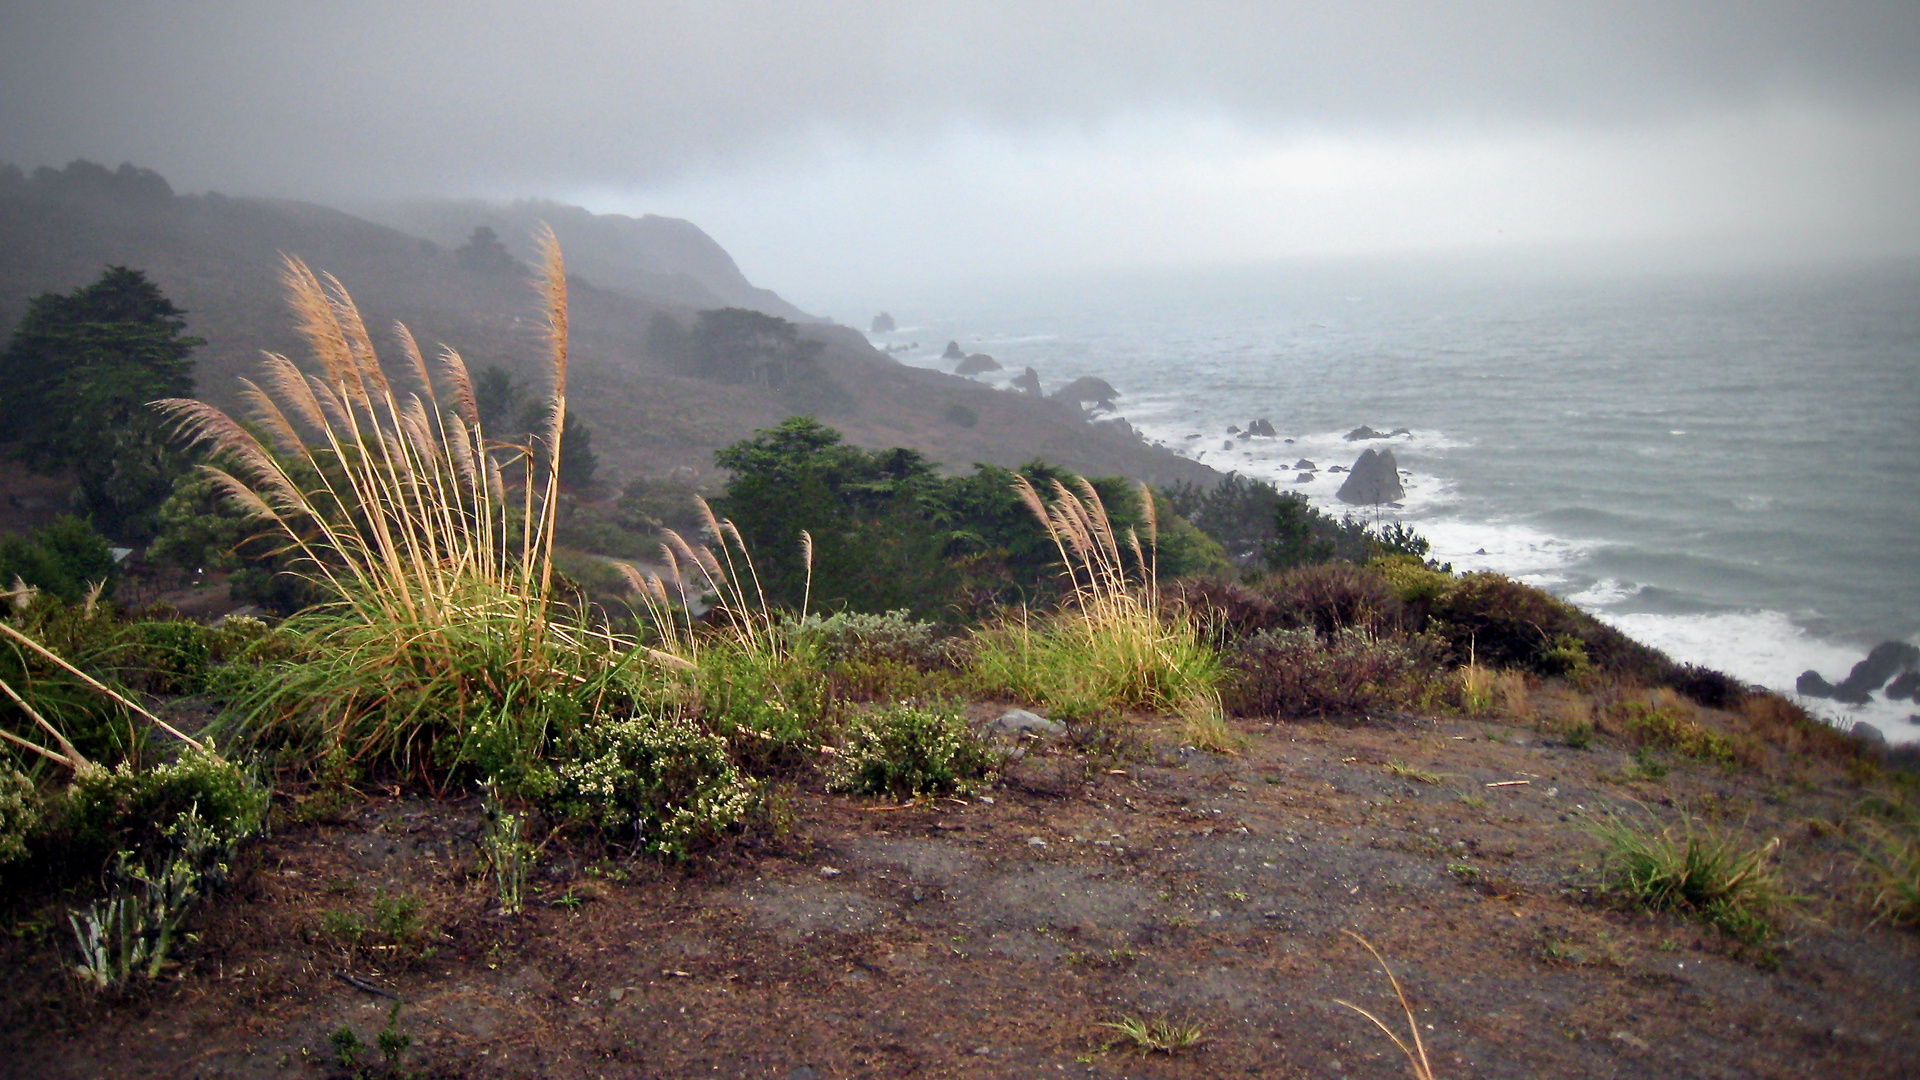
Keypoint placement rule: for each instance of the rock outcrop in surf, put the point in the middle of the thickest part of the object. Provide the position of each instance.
(1374, 480)
(975, 364)
(1895, 660)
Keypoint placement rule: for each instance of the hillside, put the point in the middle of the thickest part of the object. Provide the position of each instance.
(218, 258)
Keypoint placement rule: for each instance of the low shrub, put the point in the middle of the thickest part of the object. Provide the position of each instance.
(1335, 596)
(1417, 584)
(1494, 620)
(1706, 687)
(661, 781)
(894, 636)
(1697, 871)
(1224, 609)
(19, 813)
(911, 750)
(138, 810)
(1302, 673)
(133, 929)
(1666, 725)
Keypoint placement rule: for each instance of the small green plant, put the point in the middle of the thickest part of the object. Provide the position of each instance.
(347, 1049)
(133, 929)
(1648, 765)
(1695, 870)
(1408, 772)
(1158, 1035)
(1890, 858)
(508, 854)
(1578, 736)
(911, 750)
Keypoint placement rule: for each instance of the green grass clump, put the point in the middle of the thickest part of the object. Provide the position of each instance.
(1665, 725)
(1889, 856)
(1158, 1035)
(911, 750)
(1695, 870)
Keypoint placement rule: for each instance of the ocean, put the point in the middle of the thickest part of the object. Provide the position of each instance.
(1726, 465)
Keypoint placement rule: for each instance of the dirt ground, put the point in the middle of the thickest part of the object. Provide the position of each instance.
(993, 936)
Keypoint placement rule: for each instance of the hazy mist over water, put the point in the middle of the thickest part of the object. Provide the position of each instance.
(1722, 463)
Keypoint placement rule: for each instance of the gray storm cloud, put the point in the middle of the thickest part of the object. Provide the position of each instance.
(386, 98)
(820, 141)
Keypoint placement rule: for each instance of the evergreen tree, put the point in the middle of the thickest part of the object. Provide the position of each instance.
(74, 386)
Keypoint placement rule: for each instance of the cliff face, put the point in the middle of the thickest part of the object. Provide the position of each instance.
(219, 258)
(662, 257)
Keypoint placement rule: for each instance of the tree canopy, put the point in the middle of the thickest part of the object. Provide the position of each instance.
(75, 381)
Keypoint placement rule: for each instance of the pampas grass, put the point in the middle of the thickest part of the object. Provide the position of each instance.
(1112, 644)
(444, 618)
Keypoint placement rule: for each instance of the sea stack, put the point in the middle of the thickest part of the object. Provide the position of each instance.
(954, 352)
(1028, 382)
(883, 323)
(976, 364)
(1375, 480)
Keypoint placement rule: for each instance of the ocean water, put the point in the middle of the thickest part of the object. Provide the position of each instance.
(1725, 465)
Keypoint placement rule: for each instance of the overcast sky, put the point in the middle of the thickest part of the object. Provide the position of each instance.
(840, 150)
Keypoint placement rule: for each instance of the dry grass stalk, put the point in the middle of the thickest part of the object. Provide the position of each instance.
(1415, 1049)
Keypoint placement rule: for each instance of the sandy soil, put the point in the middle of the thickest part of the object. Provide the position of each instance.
(992, 937)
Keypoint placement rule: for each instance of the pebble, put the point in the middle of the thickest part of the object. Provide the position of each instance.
(1036, 842)
(828, 871)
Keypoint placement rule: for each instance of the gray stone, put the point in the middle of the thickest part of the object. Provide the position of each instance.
(1022, 722)
(1088, 388)
(1304, 465)
(1028, 382)
(954, 352)
(883, 323)
(975, 364)
(1868, 735)
(1375, 479)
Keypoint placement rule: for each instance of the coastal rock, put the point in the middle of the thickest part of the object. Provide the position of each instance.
(1885, 661)
(1262, 428)
(1303, 478)
(1088, 388)
(1868, 735)
(883, 324)
(975, 364)
(1338, 468)
(1226, 444)
(1375, 480)
(1303, 463)
(1028, 382)
(1905, 686)
(1396, 432)
(1233, 429)
(954, 352)
(1364, 432)
(1811, 684)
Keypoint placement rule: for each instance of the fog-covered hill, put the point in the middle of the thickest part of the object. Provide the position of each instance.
(219, 258)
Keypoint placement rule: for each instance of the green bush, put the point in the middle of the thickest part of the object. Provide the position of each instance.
(894, 636)
(1502, 623)
(1655, 726)
(662, 781)
(65, 559)
(19, 813)
(910, 750)
(128, 809)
